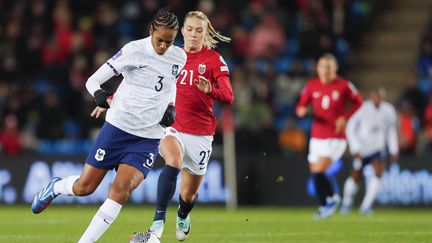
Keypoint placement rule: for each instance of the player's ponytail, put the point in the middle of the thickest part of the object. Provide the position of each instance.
(164, 18)
(212, 37)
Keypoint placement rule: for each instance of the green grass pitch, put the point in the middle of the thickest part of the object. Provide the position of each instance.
(215, 224)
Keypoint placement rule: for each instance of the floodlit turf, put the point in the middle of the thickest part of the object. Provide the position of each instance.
(214, 224)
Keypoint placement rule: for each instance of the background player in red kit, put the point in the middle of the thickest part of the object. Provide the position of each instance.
(187, 145)
(328, 95)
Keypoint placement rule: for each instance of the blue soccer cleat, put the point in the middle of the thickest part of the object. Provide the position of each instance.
(44, 198)
(329, 209)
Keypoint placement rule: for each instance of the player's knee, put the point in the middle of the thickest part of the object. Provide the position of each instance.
(120, 194)
(174, 161)
(188, 195)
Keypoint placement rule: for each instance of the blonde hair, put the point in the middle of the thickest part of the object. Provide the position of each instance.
(212, 37)
(330, 57)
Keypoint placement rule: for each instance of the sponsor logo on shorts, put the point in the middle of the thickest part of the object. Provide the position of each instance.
(100, 154)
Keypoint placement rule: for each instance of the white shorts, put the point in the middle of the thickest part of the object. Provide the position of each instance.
(196, 150)
(331, 147)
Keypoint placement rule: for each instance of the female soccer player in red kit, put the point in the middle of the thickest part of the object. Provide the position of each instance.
(328, 95)
(187, 145)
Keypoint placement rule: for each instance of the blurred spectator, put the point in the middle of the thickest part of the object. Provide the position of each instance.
(51, 117)
(9, 136)
(267, 39)
(413, 97)
(408, 128)
(48, 49)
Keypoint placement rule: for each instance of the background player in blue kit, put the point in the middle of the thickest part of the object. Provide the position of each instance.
(130, 137)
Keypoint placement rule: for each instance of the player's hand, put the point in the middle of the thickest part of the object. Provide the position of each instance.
(302, 111)
(340, 124)
(169, 116)
(99, 110)
(203, 84)
(101, 98)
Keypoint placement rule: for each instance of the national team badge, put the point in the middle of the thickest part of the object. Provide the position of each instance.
(335, 95)
(100, 154)
(174, 70)
(201, 68)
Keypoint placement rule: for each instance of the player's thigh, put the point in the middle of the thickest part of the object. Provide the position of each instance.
(379, 166)
(197, 152)
(190, 184)
(323, 152)
(127, 179)
(90, 178)
(320, 166)
(171, 151)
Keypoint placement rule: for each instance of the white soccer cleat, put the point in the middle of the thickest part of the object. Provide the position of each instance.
(183, 227)
(345, 209)
(366, 211)
(144, 237)
(157, 228)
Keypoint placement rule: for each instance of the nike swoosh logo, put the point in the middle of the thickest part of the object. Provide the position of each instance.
(187, 232)
(106, 221)
(157, 211)
(142, 66)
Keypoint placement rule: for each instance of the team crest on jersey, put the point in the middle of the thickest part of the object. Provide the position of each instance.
(201, 68)
(174, 70)
(100, 154)
(335, 95)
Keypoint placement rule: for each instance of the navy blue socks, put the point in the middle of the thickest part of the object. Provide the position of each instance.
(166, 187)
(323, 187)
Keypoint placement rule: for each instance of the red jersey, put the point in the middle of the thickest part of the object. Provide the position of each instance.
(329, 103)
(194, 108)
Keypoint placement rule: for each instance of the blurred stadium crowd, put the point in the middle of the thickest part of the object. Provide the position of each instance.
(49, 48)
